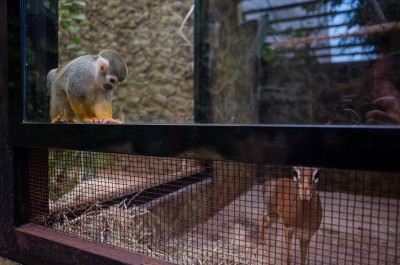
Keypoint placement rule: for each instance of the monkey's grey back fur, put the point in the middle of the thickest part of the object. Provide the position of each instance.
(51, 77)
(82, 75)
(116, 63)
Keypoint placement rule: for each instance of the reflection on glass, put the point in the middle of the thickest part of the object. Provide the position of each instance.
(40, 49)
(257, 61)
(304, 62)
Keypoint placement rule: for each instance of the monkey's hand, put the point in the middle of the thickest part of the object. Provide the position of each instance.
(58, 119)
(102, 121)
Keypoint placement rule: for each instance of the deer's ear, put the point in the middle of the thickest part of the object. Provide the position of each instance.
(295, 174)
(315, 176)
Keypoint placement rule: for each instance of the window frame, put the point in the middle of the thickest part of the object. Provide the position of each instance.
(361, 147)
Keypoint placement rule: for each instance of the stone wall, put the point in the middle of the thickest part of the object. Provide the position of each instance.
(159, 86)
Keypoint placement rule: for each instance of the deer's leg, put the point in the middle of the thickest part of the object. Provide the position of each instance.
(288, 237)
(304, 249)
(264, 227)
(264, 235)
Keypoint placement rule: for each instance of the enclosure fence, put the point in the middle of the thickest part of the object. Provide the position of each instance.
(189, 211)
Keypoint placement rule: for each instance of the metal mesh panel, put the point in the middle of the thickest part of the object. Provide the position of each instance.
(218, 212)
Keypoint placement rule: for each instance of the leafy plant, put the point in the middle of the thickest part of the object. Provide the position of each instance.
(68, 20)
(69, 167)
(266, 53)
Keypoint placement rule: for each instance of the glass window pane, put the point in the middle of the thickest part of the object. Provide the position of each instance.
(303, 62)
(249, 62)
(155, 39)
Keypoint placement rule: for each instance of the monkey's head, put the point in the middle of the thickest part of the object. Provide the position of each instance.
(112, 67)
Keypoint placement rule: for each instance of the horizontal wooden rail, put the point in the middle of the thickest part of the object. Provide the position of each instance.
(350, 147)
(39, 245)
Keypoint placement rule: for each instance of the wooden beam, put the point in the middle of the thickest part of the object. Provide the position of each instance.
(41, 246)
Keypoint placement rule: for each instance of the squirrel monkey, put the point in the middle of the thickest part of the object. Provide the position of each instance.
(83, 88)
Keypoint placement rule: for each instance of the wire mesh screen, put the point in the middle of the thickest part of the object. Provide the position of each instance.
(218, 212)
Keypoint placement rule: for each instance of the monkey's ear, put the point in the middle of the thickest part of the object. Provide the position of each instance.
(102, 64)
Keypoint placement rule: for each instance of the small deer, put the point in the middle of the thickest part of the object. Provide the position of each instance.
(297, 203)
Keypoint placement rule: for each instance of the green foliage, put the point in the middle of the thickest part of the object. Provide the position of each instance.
(122, 114)
(69, 167)
(267, 54)
(68, 22)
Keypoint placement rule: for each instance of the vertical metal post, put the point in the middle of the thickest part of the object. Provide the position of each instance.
(202, 106)
(38, 184)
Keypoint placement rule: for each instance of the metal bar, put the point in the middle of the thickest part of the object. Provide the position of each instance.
(345, 54)
(10, 107)
(330, 14)
(326, 146)
(14, 56)
(23, 62)
(38, 197)
(322, 47)
(6, 179)
(202, 108)
(336, 46)
(282, 7)
(39, 245)
(283, 32)
(335, 54)
(385, 28)
(21, 186)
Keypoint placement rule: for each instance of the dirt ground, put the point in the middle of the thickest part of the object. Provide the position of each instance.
(123, 175)
(355, 230)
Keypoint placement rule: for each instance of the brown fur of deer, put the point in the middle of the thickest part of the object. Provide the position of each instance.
(296, 202)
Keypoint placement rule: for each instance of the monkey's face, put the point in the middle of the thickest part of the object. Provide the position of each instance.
(107, 80)
(111, 68)
(110, 82)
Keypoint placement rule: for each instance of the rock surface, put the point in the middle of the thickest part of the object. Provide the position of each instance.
(159, 86)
